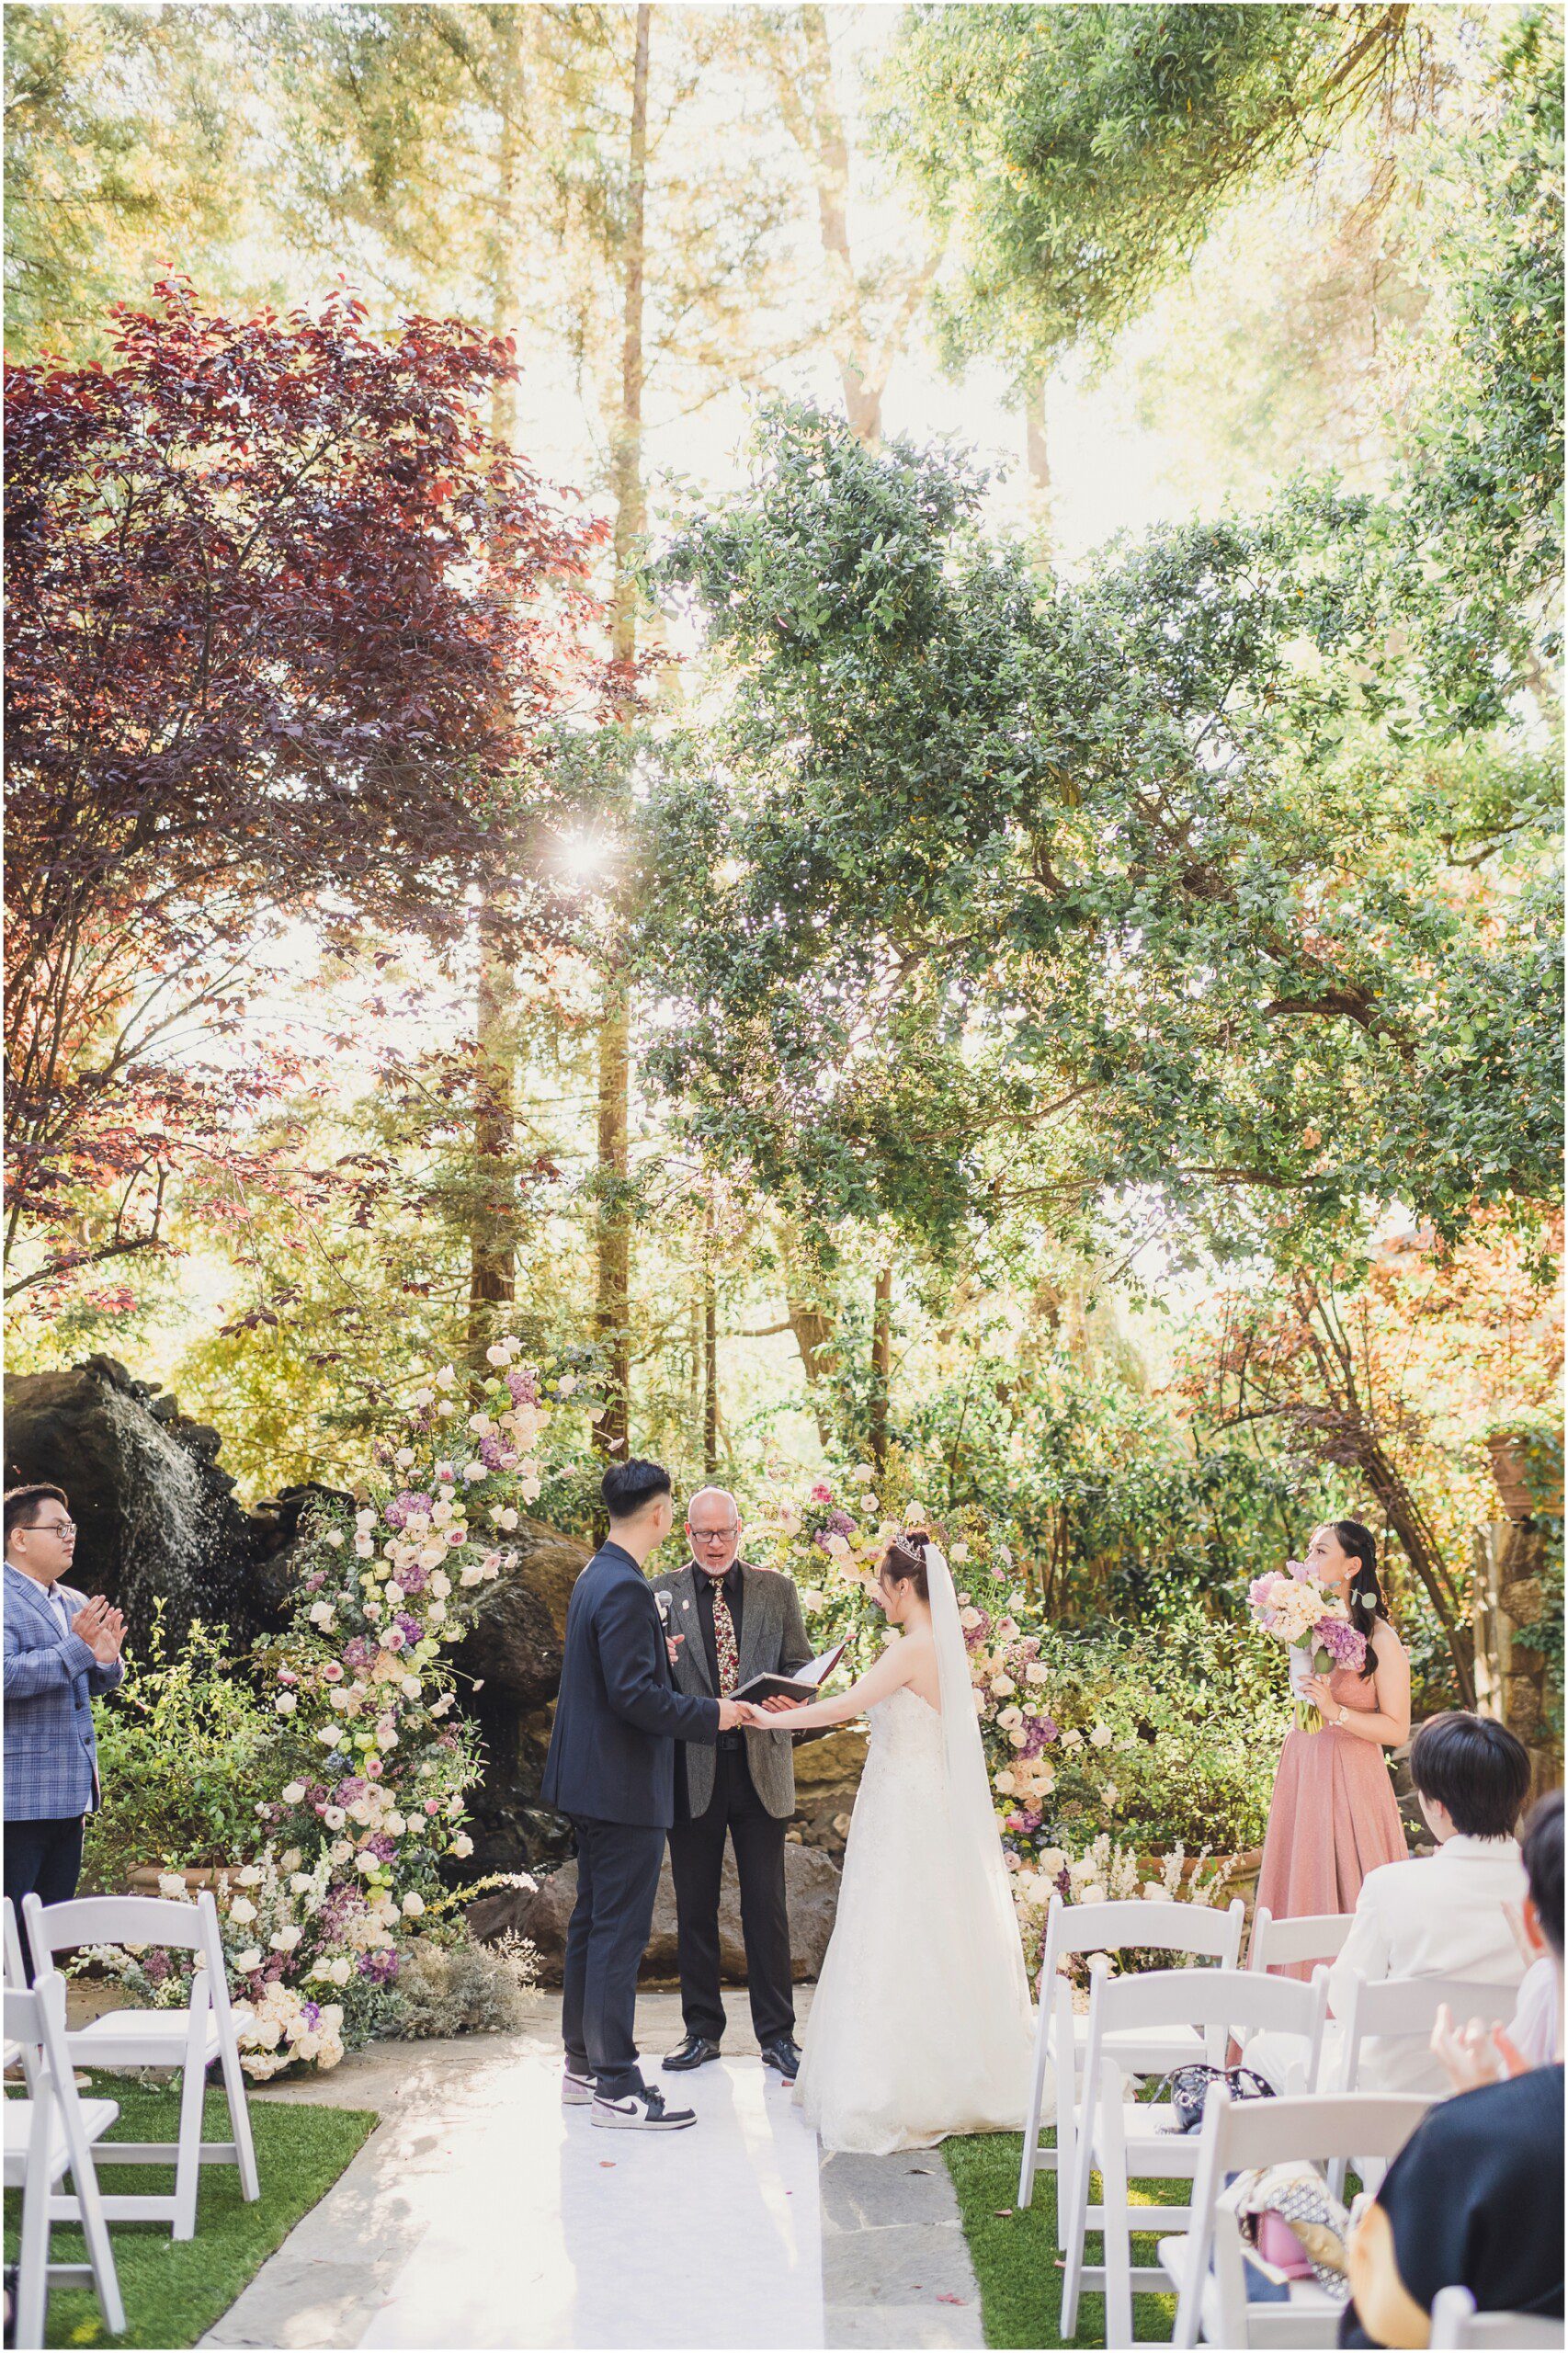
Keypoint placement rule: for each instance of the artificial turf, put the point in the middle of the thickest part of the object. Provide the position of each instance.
(1015, 2254)
(173, 2293)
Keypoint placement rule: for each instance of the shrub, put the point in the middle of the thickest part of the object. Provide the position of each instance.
(184, 1746)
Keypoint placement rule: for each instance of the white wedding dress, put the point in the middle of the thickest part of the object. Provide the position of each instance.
(921, 2024)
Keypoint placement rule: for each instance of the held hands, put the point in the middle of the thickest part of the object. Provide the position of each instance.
(101, 1628)
(738, 1715)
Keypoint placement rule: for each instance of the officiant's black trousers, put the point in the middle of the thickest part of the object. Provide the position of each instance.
(697, 1863)
(617, 1879)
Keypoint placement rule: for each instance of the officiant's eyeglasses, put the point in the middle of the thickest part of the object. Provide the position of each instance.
(715, 1535)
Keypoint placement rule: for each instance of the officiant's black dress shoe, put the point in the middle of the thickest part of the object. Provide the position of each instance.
(784, 2056)
(694, 2052)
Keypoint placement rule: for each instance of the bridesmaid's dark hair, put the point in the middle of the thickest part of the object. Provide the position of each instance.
(1367, 1605)
(904, 1562)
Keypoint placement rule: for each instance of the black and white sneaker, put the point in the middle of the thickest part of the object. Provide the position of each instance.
(643, 2111)
(576, 2091)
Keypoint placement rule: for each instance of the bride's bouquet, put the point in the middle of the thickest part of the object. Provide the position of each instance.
(1293, 1606)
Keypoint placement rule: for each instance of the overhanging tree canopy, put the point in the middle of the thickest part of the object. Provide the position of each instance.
(1063, 892)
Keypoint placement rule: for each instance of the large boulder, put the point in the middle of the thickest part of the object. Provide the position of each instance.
(157, 1518)
(810, 1885)
(515, 1645)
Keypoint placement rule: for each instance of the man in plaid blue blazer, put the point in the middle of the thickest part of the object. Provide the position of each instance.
(62, 1650)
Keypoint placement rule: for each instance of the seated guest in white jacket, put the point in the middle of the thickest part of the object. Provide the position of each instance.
(1438, 1916)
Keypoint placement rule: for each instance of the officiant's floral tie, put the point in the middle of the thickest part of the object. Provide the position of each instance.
(725, 1648)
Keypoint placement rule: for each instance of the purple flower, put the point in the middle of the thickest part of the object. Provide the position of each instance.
(414, 1577)
(490, 1453)
(349, 1788)
(380, 1967)
(1040, 1735)
(383, 1848)
(358, 1652)
(311, 2013)
(1345, 1647)
(412, 1629)
(315, 1581)
(156, 1966)
(402, 1507)
(1065, 1884)
(523, 1386)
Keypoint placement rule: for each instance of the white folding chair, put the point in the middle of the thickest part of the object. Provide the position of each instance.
(1404, 2009)
(1456, 2324)
(1282, 1944)
(1122, 2138)
(49, 2133)
(1205, 2264)
(1195, 1929)
(188, 2038)
(23, 2054)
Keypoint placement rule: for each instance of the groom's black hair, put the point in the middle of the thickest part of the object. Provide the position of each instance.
(627, 1486)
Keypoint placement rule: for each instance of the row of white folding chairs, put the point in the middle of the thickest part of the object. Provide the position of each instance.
(188, 2039)
(1105, 2131)
(1207, 2266)
(1108, 2131)
(49, 2133)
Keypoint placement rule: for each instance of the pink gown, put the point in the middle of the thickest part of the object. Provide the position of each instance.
(1332, 1817)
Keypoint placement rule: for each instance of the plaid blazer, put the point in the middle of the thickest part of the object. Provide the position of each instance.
(51, 1752)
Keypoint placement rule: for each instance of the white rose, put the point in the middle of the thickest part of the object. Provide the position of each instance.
(285, 1939)
(375, 1611)
(446, 1407)
(436, 1614)
(333, 1535)
(1074, 1739)
(365, 1546)
(285, 1703)
(365, 1519)
(1051, 1861)
(447, 1377)
(293, 1793)
(969, 1617)
(241, 1910)
(1006, 1784)
(334, 1817)
(394, 1593)
(1009, 1717)
(959, 1554)
(1034, 1672)
(244, 1962)
(299, 1882)
(461, 1845)
(1101, 1736)
(474, 1473)
(529, 1486)
(440, 1584)
(1002, 1687)
(567, 1384)
(1017, 1738)
(249, 1877)
(424, 1396)
(1092, 1895)
(339, 1851)
(386, 1738)
(1006, 1629)
(508, 1518)
(321, 1614)
(341, 1970)
(171, 1885)
(328, 1735)
(403, 1457)
(413, 1905)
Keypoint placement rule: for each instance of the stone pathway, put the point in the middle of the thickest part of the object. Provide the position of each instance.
(480, 2214)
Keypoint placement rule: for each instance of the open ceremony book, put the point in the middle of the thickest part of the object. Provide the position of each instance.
(804, 1683)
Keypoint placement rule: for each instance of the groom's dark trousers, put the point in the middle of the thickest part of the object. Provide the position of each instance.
(611, 1768)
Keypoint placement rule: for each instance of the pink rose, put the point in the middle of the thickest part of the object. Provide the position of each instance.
(287, 1674)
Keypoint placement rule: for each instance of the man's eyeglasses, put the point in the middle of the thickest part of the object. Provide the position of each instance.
(715, 1535)
(51, 1528)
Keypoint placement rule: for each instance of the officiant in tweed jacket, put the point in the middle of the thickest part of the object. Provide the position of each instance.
(731, 1622)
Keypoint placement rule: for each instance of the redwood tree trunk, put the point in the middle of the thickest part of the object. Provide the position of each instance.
(612, 1429)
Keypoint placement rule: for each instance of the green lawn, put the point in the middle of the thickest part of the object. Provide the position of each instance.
(172, 2295)
(1015, 2254)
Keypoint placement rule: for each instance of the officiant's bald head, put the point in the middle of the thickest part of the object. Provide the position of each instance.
(713, 1528)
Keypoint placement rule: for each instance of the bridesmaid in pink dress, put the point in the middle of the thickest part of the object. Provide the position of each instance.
(1332, 1817)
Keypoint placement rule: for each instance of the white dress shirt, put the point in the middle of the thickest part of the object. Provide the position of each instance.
(1432, 1915)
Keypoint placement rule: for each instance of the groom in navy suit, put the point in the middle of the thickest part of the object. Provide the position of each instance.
(611, 1768)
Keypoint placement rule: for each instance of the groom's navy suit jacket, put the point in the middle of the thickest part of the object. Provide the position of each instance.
(612, 1751)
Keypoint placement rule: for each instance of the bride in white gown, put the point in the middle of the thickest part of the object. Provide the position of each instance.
(921, 2024)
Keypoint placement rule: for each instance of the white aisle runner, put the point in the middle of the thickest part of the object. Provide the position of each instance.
(531, 2227)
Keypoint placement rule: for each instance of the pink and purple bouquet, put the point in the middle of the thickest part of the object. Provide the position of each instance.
(1295, 1609)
